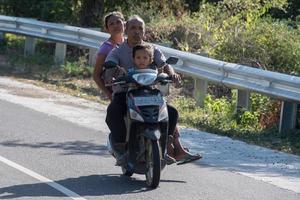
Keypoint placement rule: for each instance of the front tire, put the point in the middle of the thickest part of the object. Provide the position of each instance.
(153, 163)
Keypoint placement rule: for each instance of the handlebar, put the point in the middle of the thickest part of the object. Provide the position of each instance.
(128, 79)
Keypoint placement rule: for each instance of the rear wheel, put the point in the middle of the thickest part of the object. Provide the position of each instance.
(153, 163)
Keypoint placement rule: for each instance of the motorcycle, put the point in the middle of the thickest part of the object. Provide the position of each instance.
(146, 122)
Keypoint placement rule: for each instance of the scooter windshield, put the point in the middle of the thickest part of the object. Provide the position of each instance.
(145, 78)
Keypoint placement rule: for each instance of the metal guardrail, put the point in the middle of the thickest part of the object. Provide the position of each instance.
(238, 76)
(275, 84)
(52, 31)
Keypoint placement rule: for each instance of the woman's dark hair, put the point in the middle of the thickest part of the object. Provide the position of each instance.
(109, 15)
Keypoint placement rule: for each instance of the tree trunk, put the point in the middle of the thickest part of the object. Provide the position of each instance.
(91, 13)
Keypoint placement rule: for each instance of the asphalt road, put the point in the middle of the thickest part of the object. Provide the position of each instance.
(45, 157)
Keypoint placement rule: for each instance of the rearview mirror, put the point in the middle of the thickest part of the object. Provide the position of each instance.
(172, 60)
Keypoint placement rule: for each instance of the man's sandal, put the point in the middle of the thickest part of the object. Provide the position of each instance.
(189, 158)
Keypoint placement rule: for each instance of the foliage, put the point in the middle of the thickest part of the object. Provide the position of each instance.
(271, 43)
(14, 41)
(85, 13)
(220, 114)
(217, 114)
(77, 69)
(55, 10)
(252, 126)
(40, 63)
(222, 21)
(234, 31)
(291, 12)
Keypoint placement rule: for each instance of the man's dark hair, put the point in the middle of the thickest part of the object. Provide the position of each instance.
(134, 17)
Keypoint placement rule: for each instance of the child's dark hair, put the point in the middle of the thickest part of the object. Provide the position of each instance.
(109, 15)
(148, 48)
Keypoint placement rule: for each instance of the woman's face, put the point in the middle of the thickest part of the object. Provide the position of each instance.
(115, 25)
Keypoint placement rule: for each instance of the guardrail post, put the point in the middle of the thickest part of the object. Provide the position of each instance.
(243, 99)
(93, 51)
(60, 53)
(29, 46)
(200, 91)
(92, 56)
(287, 116)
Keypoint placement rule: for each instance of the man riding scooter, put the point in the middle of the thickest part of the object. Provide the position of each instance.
(122, 56)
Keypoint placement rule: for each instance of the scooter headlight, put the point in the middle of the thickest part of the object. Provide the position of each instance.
(144, 78)
(135, 115)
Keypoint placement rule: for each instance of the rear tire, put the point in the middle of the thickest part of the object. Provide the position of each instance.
(153, 163)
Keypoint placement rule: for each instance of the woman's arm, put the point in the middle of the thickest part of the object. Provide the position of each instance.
(98, 69)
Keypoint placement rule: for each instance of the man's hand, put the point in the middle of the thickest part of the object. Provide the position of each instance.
(120, 71)
(112, 73)
(176, 80)
(175, 77)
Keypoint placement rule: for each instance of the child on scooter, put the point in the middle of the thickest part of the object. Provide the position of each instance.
(142, 56)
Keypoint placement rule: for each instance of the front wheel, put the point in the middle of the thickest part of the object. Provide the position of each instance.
(153, 163)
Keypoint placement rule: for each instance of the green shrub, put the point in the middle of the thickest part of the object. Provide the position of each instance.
(39, 64)
(234, 31)
(77, 69)
(12, 44)
(221, 115)
(275, 45)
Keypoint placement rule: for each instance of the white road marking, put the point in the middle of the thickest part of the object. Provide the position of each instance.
(43, 179)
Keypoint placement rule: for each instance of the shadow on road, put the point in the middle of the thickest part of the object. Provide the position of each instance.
(70, 147)
(93, 185)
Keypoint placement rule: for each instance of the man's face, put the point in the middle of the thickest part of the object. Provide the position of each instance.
(135, 31)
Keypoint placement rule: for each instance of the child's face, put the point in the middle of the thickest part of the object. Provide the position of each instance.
(142, 59)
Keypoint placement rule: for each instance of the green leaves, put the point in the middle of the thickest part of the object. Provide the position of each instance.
(77, 69)
(253, 126)
(221, 114)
